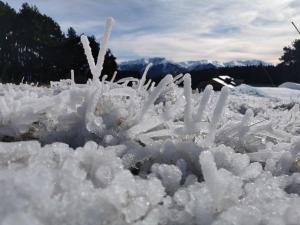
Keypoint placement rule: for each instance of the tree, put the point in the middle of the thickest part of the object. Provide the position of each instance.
(290, 65)
(8, 53)
(38, 42)
(291, 54)
(71, 33)
(33, 46)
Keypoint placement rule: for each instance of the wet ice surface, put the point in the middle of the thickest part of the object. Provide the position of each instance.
(107, 153)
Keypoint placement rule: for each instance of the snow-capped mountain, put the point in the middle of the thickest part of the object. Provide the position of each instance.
(160, 66)
(163, 66)
(201, 64)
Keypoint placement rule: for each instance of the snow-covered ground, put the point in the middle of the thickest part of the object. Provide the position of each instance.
(107, 153)
(112, 153)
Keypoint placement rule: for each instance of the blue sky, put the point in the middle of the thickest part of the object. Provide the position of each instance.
(183, 30)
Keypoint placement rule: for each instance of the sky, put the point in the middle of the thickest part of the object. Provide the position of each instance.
(182, 30)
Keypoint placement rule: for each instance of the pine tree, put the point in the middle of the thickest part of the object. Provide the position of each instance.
(290, 65)
(8, 55)
(33, 46)
(291, 54)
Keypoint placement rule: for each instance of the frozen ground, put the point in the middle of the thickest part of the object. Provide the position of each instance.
(148, 155)
(112, 153)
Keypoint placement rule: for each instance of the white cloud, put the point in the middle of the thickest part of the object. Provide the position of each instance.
(185, 29)
(80, 26)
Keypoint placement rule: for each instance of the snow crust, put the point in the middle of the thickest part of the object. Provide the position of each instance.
(290, 85)
(114, 154)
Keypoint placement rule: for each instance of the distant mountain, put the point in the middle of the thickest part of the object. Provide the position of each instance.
(253, 62)
(162, 66)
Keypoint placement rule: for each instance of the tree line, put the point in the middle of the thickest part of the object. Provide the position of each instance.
(33, 48)
(288, 70)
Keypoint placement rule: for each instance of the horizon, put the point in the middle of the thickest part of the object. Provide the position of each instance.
(210, 30)
(196, 60)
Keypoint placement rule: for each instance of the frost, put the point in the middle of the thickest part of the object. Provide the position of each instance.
(204, 100)
(96, 69)
(72, 77)
(154, 94)
(220, 106)
(88, 52)
(210, 173)
(188, 105)
(143, 79)
(170, 176)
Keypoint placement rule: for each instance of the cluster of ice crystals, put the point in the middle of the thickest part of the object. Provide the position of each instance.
(130, 166)
(96, 69)
(129, 152)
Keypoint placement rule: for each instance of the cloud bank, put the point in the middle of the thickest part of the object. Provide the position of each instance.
(183, 29)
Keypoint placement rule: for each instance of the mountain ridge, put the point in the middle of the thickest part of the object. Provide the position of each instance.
(163, 66)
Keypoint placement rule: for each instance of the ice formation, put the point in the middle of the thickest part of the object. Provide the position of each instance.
(188, 125)
(96, 69)
(111, 153)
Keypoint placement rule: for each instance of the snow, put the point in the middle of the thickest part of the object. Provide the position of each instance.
(223, 83)
(110, 153)
(105, 153)
(280, 93)
(290, 85)
(185, 65)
